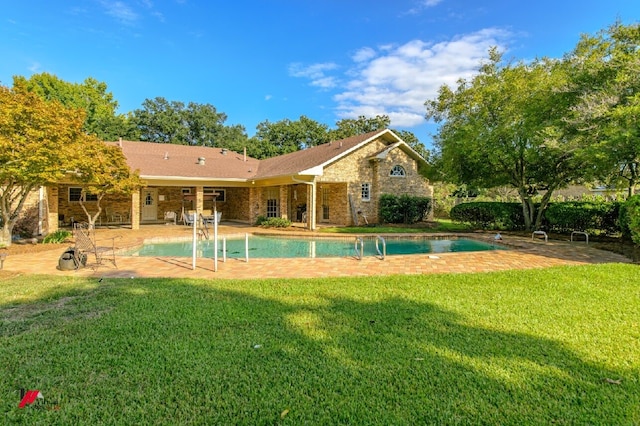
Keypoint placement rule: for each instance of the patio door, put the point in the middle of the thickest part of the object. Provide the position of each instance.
(149, 204)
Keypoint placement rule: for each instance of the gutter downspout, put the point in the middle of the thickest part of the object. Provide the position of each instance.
(311, 212)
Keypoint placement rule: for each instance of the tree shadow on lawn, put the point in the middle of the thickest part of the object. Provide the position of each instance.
(171, 351)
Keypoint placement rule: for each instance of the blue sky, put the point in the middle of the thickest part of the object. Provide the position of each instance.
(276, 59)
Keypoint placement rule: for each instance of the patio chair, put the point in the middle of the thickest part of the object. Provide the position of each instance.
(208, 219)
(170, 216)
(86, 244)
(188, 218)
(112, 217)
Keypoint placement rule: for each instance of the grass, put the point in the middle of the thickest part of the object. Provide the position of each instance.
(440, 225)
(558, 346)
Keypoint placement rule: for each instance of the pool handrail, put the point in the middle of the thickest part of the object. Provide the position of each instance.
(382, 253)
(359, 244)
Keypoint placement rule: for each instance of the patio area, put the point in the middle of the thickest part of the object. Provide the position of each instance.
(525, 253)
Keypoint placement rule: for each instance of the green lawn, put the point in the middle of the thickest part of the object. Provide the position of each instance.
(554, 346)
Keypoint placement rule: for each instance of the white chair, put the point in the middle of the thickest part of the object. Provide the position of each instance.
(170, 217)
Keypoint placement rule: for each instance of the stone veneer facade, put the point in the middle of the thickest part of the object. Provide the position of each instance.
(345, 177)
(337, 190)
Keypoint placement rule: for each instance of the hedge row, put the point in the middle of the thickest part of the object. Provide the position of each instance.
(403, 208)
(489, 215)
(589, 216)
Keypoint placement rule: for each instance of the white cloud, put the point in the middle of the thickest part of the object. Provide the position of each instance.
(268, 97)
(316, 73)
(397, 81)
(421, 5)
(364, 54)
(35, 68)
(120, 11)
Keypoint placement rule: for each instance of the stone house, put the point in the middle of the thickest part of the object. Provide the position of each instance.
(337, 183)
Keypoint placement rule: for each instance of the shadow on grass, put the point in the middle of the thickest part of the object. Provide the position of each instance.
(176, 352)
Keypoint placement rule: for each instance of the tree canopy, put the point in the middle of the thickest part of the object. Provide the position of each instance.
(99, 105)
(607, 75)
(506, 126)
(165, 121)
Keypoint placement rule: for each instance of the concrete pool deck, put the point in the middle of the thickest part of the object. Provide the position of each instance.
(525, 253)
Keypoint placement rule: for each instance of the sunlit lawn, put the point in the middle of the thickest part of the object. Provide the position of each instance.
(554, 346)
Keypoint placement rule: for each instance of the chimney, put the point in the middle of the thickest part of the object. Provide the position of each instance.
(245, 154)
(224, 151)
(201, 161)
(120, 142)
(166, 155)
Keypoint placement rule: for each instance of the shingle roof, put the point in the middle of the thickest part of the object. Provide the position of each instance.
(164, 160)
(309, 158)
(169, 160)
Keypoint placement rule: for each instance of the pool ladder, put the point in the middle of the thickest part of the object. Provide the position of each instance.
(359, 247)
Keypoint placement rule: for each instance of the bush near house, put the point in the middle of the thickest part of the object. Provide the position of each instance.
(489, 215)
(404, 208)
(592, 216)
(630, 219)
(273, 222)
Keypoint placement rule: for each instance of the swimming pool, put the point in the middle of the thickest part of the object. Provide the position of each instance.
(288, 247)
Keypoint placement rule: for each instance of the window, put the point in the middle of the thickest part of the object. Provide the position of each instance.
(365, 192)
(272, 202)
(186, 191)
(325, 203)
(75, 193)
(397, 170)
(209, 190)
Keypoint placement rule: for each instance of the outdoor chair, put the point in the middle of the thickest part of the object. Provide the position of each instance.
(87, 245)
(170, 217)
(112, 217)
(188, 218)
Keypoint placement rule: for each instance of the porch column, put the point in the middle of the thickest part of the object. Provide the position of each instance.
(199, 199)
(311, 206)
(135, 210)
(52, 211)
(284, 202)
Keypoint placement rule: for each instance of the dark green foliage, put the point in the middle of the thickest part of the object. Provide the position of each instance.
(273, 222)
(404, 208)
(27, 224)
(630, 219)
(489, 215)
(57, 237)
(592, 216)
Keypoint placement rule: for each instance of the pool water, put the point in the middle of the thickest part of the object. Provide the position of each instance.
(283, 247)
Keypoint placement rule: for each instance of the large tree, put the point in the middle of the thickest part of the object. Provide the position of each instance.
(356, 126)
(506, 126)
(38, 144)
(99, 105)
(285, 136)
(174, 122)
(607, 75)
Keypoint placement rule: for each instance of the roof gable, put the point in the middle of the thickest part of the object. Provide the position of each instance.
(163, 160)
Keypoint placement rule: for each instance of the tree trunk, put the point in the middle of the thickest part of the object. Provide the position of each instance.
(5, 237)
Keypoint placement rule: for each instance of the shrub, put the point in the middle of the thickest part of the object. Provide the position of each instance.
(273, 222)
(593, 216)
(404, 208)
(630, 219)
(27, 225)
(489, 215)
(57, 237)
